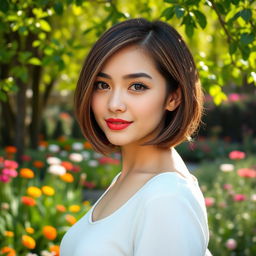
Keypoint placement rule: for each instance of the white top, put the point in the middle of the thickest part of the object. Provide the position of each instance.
(166, 217)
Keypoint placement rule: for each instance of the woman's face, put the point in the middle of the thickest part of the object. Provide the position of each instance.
(129, 87)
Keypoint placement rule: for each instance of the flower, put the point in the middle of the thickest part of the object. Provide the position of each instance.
(74, 208)
(50, 232)
(209, 201)
(87, 145)
(239, 197)
(77, 146)
(26, 173)
(60, 208)
(57, 169)
(34, 191)
(10, 149)
(109, 160)
(89, 184)
(9, 164)
(76, 157)
(53, 160)
(93, 163)
(30, 230)
(234, 155)
(8, 251)
(55, 249)
(26, 158)
(53, 148)
(28, 242)
(28, 200)
(227, 167)
(231, 244)
(38, 164)
(86, 155)
(246, 172)
(9, 233)
(4, 178)
(67, 177)
(70, 219)
(227, 186)
(253, 197)
(48, 191)
(67, 165)
(10, 172)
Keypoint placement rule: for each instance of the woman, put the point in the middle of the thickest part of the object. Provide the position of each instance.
(139, 94)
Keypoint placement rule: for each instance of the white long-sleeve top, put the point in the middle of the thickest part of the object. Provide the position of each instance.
(165, 217)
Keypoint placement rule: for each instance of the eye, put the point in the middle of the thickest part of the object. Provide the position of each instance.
(139, 87)
(99, 85)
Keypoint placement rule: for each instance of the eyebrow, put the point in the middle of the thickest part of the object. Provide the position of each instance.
(128, 76)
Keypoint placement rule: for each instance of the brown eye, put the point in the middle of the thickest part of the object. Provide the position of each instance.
(139, 87)
(99, 85)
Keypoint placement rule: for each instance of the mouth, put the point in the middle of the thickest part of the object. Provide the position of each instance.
(117, 125)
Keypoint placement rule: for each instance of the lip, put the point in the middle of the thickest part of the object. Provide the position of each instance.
(117, 124)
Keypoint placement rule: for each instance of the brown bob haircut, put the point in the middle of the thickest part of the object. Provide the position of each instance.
(173, 60)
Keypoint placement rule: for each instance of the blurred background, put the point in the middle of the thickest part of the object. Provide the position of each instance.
(48, 169)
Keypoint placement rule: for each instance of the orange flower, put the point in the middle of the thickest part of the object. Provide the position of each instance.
(34, 191)
(67, 147)
(10, 149)
(74, 208)
(30, 230)
(68, 166)
(10, 251)
(60, 208)
(48, 191)
(28, 200)
(28, 242)
(86, 203)
(70, 219)
(26, 173)
(43, 143)
(67, 177)
(8, 233)
(49, 232)
(55, 249)
(38, 164)
(87, 145)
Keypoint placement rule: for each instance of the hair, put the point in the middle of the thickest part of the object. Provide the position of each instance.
(173, 60)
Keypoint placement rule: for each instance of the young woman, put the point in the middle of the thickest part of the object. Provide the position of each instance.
(139, 94)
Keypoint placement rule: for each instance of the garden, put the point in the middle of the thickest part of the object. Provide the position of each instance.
(50, 176)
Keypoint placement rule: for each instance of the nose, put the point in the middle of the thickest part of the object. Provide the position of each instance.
(116, 102)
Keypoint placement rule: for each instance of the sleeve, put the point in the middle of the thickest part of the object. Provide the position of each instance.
(170, 226)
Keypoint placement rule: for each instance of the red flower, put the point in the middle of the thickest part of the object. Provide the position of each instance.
(28, 200)
(108, 160)
(89, 184)
(247, 173)
(209, 201)
(236, 155)
(239, 197)
(67, 165)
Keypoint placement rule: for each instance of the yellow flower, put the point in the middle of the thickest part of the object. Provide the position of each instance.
(9, 233)
(74, 208)
(30, 230)
(34, 191)
(49, 232)
(8, 251)
(28, 242)
(67, 177)
(86, 202)
(47, 190)
(26, 173)
(70, 219)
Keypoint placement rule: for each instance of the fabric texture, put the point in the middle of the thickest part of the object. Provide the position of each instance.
(167, 217)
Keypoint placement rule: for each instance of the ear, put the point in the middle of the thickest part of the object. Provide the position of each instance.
(173, 100)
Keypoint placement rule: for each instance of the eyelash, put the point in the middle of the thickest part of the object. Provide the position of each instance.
(135, 83)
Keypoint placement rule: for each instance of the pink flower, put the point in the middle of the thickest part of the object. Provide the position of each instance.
(26, 158)
(231, 244)
(4, 178)
(247, 173)
(108, 160)
(236, 155)
(227, 186)
(239, 197)
(209, 201)
(222, 205)
(234, 97)
(9, 164)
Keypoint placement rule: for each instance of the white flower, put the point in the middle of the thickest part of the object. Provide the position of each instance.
(46, 253)
(77, 146)
(97, 155)
(53, 148)
(31, 254)
(231, 244)
(227, 167)
(253, 197)
(76, 157)
(42, 148)
(57, 169)
(93, 163)
(63, 153)
(86, 155)
(53, 160)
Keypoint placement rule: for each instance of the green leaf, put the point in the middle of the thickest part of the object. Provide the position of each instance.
(45, 26)
(245, 50)
(58, 7)
(168, 13)
(232, 47)
(3, 96)
(200, 18)
(4, 6)
(247, 38)
(220, 8)
(171, 1)
(189, 29)
(179, 11)
(246, 14)
(35, 61)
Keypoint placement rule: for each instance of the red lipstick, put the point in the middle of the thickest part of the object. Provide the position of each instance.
(117, 124)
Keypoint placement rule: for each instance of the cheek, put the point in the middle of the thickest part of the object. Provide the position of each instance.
(95, 104)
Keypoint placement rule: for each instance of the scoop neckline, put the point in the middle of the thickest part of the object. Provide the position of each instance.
(132, 197)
